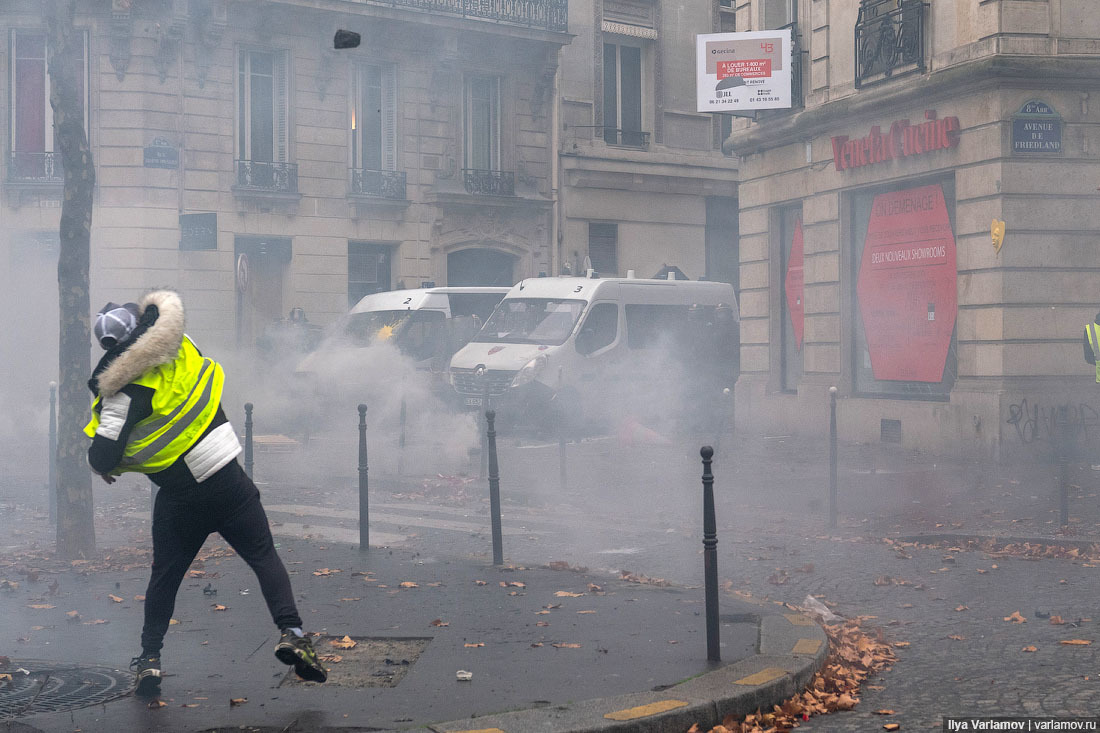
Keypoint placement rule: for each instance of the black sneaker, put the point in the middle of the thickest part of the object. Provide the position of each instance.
(298, 650)
(147, 669)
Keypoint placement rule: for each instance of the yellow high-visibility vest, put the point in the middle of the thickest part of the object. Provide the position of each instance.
(186, 395)
(1094, 342)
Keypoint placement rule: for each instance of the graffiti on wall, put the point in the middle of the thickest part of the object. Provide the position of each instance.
(1034, 422)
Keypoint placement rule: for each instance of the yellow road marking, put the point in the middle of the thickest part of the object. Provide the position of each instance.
(798, 619)
(643, 710)
(806, 646)
(764, 675)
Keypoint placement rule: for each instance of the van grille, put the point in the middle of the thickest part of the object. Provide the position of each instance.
(497, 380)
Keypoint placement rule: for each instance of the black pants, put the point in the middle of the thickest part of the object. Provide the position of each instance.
(227, 503)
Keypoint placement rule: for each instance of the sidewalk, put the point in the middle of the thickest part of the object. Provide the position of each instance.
(567, 647)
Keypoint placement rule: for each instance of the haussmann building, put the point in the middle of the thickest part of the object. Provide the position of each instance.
(920, 230)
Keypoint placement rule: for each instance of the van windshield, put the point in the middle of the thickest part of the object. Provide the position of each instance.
(531, 321)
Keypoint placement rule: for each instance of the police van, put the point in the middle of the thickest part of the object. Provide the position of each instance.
(584, 342)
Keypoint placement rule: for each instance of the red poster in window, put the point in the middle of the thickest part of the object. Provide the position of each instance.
(907, 285)
(793, 284)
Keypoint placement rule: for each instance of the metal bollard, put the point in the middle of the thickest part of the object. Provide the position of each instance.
(494, 487)
(563, 476)
(832, 458)
(52, 464)
(248, 438)
(710, 557)
(484, 446)
(364, 511)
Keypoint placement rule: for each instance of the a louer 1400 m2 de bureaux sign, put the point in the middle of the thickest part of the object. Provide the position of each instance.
(902, 140)
(743, 71)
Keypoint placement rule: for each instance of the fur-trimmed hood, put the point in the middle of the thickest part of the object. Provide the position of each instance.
(158, 344)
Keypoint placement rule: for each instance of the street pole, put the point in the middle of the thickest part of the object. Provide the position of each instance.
(364, 512)
(832, 458)
(494, 488)
(248, 438)
(710, 557)
(52, 464)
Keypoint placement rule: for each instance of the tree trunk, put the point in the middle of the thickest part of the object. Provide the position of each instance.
(75, 524)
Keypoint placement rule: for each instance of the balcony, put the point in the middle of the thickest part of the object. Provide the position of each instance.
(889, 39)
(489, 183)
(549, 15)
(35, 168)
(378, 184)
(263, 176)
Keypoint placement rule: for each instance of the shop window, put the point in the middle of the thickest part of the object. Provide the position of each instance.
(33, 156)
(623, 91)
(602, 248)
(904, 275)
(792, 297)
(368, 270)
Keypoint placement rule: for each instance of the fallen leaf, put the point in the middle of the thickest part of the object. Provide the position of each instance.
(346, 643)
(593, 588)
(173, 621)
(40, 606)
(957, 637)
(962, 608)
(559, 594)
(566, 646)
(901, 644)
(409, 584)
(1016, 618)
(883, 712)
(324, 572)
(440, 622)
(139, 598)
(892, 726)
(114, 598)
(1075, 642)
(474, 645)
(1030, 649)
(235, 701)
(585, 611)
(982, 572)
(517, 584)
(542, 623)
(154, 704)
(97, 622)
(537, 644)
(219, 607)
(480, 582)
(189, 705)
(331, 658)
(1056, 621)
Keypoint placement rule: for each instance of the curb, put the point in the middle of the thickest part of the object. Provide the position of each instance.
(1081, 543)
(791, 648)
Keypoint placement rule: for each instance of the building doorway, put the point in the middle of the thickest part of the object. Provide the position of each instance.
(261, 264)
(480, 266)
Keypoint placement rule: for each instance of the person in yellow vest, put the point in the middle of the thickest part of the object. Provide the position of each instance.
(157, 411)
(1092, 344)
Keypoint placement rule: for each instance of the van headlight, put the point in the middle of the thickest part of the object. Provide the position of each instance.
(530, 371)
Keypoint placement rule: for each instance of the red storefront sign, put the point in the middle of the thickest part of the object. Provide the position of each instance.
(907, 285)
(903, 140)
(793, 284)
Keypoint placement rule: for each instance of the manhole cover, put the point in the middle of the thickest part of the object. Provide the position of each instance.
(50, 687)
(363, 661)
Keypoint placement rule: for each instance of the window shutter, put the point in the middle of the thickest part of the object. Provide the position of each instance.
(602, 240)
(389, 118)
(280, 106)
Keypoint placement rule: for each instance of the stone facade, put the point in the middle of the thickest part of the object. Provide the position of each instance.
(1016, 350)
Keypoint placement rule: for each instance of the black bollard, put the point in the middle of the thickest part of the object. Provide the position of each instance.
(1061, 435)
(832, 458)
(494, 487)
(364, 513)
(52, 464)
(710, 558)
(559, 414)
(484, 432)
(248, 438)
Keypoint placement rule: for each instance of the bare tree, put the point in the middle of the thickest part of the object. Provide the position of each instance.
(75, 523)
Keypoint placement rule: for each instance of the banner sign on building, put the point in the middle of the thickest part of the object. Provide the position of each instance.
(907, 285)
(198, 231)
(743, 71)
(1036, 128)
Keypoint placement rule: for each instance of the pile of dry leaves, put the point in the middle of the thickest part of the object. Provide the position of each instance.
(854, 655)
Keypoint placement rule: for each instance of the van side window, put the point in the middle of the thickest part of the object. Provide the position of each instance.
(599, 329)
(655, 326)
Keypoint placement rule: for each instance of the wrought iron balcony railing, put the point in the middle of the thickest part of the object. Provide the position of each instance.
(489, 183)
(549, 14)
(256, 175)
(383, 184)
(889, 39)
(625, 138)
(35, 168)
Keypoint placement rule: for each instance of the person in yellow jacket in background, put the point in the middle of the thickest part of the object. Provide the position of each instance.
(157, 411)
(1092, 344)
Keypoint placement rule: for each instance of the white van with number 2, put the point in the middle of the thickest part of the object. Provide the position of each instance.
(557, 336)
